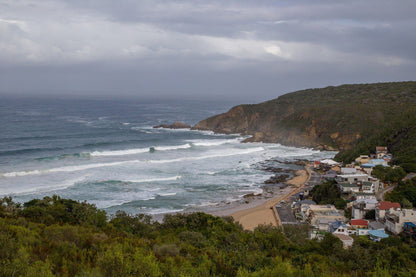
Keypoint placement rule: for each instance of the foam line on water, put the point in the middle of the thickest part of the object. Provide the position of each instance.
(214, 142)
(138, 150)
(119, 152)
(175, 147)
(99, 165)
(174, 178)
(39, 189)
(242, 152)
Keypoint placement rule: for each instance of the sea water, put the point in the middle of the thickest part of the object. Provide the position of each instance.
(107, 153)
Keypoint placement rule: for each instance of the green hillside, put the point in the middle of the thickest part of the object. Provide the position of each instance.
(350, 118)
(62, 237)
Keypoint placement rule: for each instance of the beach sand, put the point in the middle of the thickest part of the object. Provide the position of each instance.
(259, 211)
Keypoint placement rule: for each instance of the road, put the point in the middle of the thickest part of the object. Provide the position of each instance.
(284, 210)
(380, 194)
(315, 179)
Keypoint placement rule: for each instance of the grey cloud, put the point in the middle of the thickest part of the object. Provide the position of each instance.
(233, 48)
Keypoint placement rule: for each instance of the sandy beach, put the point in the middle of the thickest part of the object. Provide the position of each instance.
(259, 211)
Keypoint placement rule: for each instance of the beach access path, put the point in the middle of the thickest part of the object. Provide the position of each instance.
(264, 213)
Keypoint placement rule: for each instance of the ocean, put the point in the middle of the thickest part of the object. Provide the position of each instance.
(106, 152)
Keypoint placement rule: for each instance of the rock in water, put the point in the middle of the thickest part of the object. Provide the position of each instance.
(175, 125)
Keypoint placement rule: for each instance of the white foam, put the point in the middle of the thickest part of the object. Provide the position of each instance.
(231, 153)
(64, 169)
(213, 142)
(39, 189)
(164, 211)
(155, 179)
(98, 165)
(103, 204)
(120, 152)
(254, 191)
(138, 150)
(174, 147)
(209, 173)
(167, 193)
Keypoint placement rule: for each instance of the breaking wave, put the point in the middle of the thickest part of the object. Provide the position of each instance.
(98, 165)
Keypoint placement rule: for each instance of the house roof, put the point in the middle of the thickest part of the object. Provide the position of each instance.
(336, 224)
(375, 225)
(352, 175)
(365, 194)
(377, 161)
(386, 205)
(410, 224)
(329, 162)
(348, 170)
(366, 201)
(368, 165)
(348, 185)
(381, 148)
(359, 222)
(378, 233)
(344, 237)
(305, 202)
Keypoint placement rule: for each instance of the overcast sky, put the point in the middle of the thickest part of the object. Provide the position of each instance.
(253, 50)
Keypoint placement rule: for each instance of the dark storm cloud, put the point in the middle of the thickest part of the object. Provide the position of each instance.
(247, 49)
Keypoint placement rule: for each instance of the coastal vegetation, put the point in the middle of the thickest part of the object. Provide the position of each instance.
(61, 237)
(388, 174)
(404, 193)
(352, 119)
(328, 193)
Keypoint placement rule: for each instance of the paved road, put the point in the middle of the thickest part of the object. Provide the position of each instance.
(284, 210)
(380, 194)
(315, 179)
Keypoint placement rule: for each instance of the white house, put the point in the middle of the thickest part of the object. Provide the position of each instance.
(358, 178)
(320, 216)
(348, 188)
(338, 227)
(362, 206)
(348, 170)
(363, 195)
(396, 219)
(385, 206)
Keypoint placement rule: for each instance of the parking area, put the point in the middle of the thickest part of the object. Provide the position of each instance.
(285, 213)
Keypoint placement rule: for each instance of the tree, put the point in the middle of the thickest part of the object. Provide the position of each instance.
(371, 214)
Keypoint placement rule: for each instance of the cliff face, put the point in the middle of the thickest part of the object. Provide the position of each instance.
(333, 118)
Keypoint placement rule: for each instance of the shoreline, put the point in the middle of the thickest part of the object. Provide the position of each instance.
(259, 211)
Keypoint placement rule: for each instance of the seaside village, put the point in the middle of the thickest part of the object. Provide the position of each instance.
(364, 195)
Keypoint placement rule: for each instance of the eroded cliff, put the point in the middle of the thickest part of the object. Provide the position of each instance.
(333, 118)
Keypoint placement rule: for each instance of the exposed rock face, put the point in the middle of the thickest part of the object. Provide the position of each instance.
(277, 179)
(332, 118)
(175, 125)
(267, 127)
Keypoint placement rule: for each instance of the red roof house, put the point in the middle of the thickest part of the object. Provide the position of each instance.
(359, 223)
(383, 207)
(387, 205)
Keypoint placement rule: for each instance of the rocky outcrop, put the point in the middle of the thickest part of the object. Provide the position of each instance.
(266, 126)
(175, 125)
(332, 118)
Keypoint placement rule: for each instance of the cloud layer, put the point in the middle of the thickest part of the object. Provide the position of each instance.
(250, 49)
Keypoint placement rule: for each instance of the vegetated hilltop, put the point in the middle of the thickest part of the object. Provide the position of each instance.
(350, 118)
(62, 237)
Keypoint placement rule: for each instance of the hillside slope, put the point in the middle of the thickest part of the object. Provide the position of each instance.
(350, 118)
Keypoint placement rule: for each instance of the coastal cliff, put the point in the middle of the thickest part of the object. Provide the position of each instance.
(347, 118)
